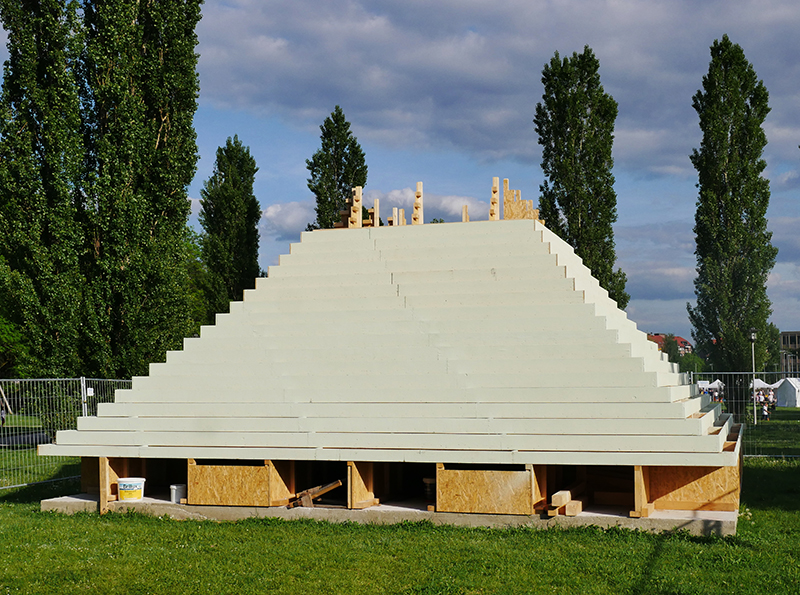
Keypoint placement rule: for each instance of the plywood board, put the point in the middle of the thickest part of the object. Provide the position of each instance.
(695, 488)
(484, 491)
(229, 485)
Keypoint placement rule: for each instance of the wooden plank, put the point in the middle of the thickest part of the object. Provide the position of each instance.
(494, 201)
(560, 498)
(556, 510)
(484, 491)
(229, 485)
(574, 507)
(695, 488)
(104, 484)
(641, 492)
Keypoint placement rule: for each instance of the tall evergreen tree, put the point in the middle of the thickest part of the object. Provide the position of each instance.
(40, 161)
(141, 90)
(336, 168)
(575, 124)
(734, 249)
(229, 215)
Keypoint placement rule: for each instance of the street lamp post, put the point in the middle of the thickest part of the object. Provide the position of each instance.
(753, 351)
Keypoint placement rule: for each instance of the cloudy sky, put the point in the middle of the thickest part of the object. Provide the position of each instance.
(444, 93)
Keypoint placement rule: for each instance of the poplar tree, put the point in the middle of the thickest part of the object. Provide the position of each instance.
(575, 124)
(229, 215)
(141, 90)
(40, 163)
(734, 250)
(336, 168)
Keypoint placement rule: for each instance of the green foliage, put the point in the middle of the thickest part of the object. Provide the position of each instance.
(96, 151)
(575, 124)
(13, 343)
(691, 362)
(197, 290)
(734, 250)
(437, 220)
(40, 160)
(140, 95)
(336, 168)
(230, 214)
(670, 347)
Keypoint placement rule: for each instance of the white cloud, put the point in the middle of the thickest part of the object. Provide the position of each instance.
(285, 221)
(466, 74)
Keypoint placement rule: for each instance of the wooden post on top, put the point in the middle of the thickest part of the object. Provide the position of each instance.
(417, 216)
(464, 214)
(494, 204)
(355, 209)
(376, 214)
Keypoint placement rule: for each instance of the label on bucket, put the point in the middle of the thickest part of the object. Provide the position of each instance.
(130, 488)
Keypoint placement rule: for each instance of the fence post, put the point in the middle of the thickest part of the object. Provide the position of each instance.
(84, 403)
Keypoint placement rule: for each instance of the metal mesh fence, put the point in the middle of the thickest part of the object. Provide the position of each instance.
(775, 435)
(32, 411)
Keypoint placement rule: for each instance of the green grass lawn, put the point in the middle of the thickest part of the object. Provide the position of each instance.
(132, 554)
(22, 421)
(23, 465)
(776, 437)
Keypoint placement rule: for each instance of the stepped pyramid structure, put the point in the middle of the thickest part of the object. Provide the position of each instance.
(480, 356)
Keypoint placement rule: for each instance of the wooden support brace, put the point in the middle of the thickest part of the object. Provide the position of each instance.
(375, 213)
(417, 217)
(641, 492)
(360, 485)
(307, 497)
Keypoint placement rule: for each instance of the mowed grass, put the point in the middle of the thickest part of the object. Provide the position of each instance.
(131, 554)
(776, 437)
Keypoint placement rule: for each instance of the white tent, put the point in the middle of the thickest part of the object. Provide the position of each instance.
(715, 386)
(760, 384)
(788, 392)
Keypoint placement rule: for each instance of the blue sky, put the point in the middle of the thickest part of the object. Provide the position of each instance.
(444, 93)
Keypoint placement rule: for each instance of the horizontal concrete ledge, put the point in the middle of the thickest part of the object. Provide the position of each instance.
(694, 522)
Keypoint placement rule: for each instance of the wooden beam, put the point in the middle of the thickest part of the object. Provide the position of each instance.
(417, 217)
(641, 492)
(105, 487)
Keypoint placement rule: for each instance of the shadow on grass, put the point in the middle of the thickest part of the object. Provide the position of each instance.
(772, 483)
(38, 492)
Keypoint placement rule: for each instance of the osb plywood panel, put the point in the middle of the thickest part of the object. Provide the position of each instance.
(695, 488)
(228, 485)
(487, 492)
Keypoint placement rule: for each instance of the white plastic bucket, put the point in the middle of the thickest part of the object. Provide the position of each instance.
(130, 488)
(177, 491)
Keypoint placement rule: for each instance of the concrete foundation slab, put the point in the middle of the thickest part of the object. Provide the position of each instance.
(694, 522)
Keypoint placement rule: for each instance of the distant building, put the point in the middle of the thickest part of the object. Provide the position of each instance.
(790, 346)
(684, 346)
